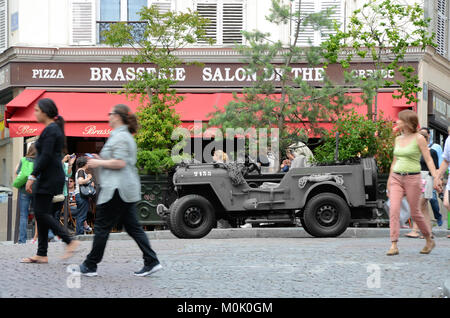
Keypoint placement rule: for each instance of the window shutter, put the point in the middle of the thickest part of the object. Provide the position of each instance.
(233, 23)
(209, 10)
(441, 27)
(3, 25)
(306, 32)
(82, 22)
(164, 6)
(337, 15)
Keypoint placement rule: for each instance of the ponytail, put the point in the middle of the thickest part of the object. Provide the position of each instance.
(59, 120)
(132, 123)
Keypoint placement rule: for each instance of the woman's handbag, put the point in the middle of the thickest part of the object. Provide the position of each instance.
(58, 198)
(87, 190)
(25, 170)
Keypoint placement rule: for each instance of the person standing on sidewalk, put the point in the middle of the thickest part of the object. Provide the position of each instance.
(82, 177)
(440, 174)
(405, 179)
(120, 190)
(438, 149)
(49, 177)
(25, 198)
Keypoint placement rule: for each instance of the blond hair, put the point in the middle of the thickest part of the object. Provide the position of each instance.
(219, 155)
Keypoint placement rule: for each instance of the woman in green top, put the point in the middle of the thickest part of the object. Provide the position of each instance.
(405, 179)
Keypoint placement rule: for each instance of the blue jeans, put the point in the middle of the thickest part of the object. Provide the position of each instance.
(435, 206)
(82, 211)
(24, 206)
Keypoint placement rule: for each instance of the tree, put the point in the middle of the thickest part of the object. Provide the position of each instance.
(156, 43)
(383, 30)
(278, 97)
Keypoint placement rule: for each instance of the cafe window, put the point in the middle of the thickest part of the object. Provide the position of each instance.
(307, 33)
(226, 20)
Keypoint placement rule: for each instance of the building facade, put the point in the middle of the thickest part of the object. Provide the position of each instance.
(54, 48)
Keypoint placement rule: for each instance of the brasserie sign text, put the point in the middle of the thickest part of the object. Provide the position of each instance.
(209, 75)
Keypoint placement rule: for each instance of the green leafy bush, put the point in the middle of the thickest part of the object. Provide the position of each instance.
(359, 138)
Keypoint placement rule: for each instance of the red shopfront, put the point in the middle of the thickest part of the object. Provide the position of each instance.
(85, 112)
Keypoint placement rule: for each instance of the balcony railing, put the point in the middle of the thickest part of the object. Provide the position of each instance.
(137, 32)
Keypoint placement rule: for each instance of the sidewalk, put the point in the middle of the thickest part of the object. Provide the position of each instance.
(294, 232)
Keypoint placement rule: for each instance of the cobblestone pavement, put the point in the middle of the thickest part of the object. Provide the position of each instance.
(248, 268)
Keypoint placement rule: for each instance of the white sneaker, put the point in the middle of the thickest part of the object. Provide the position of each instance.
(246, 226)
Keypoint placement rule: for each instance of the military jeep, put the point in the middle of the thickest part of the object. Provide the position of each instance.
(324, 198)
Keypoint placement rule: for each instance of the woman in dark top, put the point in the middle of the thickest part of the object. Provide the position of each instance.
(428, 191)
(47, 180)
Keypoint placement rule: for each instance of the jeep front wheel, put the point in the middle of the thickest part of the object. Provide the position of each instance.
(191, 216)
(326, 215)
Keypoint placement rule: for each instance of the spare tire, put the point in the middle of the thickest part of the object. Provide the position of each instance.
(326, 215)
(191, 216)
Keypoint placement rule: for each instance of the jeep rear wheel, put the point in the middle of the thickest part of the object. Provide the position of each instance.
(326, 215)
(191, 216)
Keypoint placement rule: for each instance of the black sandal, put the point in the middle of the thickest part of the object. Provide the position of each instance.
(411, 235)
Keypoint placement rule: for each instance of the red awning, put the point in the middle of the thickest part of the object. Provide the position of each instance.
(27, 97)
(86, 114)
(24, 99)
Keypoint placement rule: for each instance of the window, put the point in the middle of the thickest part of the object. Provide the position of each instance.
(134, 6)
(82, 23)
(226, 20)
(307, 33)
(113, 11)
(442, 27)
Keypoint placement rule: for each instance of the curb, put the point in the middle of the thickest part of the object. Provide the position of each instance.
(447, 288)
(234, 233)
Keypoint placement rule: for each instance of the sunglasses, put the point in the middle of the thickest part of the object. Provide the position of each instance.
(112, 113)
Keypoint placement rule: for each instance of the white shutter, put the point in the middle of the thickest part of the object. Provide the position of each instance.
(337, 15)
(3, 25)
(441, 27)
(306, 32)
(82, 22)
(233, 23)
(209, 10)
(164, 6)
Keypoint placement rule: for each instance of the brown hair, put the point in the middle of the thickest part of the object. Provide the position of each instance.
(128, 118)
(425, 134)
(31, 153)
(410, 119)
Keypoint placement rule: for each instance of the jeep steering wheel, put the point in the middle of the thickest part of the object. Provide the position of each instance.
(250, 167)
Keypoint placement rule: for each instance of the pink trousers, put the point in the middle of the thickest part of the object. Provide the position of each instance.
(411, 186)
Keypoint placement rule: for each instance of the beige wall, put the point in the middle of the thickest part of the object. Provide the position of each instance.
(435, 71)
(4, 220)
(10, 154)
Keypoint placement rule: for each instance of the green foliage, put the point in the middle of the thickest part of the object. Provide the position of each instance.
(359, 137)
(383, 30)
(164, 34)
(298, 102)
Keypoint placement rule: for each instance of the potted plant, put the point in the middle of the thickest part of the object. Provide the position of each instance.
(360, 138)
